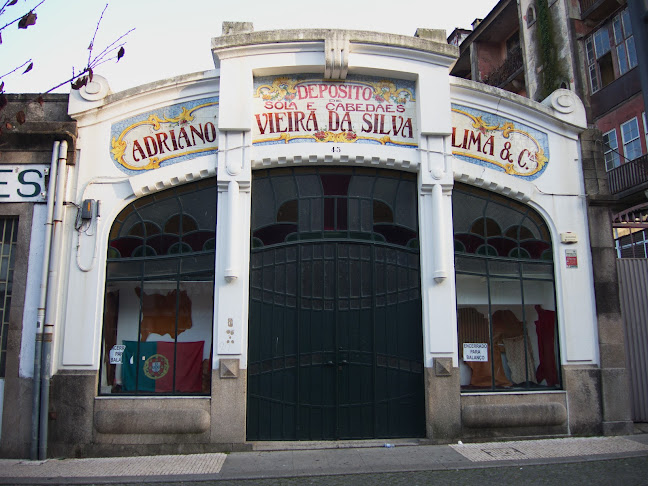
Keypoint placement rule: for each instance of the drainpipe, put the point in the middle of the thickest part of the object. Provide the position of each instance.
(50, 309)
(40, 317)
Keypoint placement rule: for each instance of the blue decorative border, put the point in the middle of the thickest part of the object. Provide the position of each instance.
(171, 111)
(492, 119)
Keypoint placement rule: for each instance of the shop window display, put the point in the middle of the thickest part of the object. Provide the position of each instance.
(506, 313)
(158, 310)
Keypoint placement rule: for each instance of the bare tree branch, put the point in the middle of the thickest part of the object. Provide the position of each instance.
(16, 68)
(69, 80)
(114, 51)
(8, 3)
(20, 17)
(110, 48)
(91, 46)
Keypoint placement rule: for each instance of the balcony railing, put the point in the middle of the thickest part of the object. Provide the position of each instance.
(628, 175)
(507, 70)
(598, 10)
(587, 4)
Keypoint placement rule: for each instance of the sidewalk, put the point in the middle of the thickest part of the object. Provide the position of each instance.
(347, 458)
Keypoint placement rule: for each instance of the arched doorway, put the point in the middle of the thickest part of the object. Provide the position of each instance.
(335, 332)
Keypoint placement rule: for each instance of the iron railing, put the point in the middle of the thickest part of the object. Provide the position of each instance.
(509, 67)
(598, 10)
(585, 5)
(628, 175)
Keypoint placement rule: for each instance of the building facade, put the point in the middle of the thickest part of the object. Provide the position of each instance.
(27, 158)
(325, 238)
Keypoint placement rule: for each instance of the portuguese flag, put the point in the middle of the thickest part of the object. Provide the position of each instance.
(153, 371)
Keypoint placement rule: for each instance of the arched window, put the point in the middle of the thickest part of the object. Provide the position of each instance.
(506, 308)
(314, 203)
(158, 310)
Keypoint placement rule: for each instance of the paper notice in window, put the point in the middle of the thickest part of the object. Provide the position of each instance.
(475, 352)
(116, 354)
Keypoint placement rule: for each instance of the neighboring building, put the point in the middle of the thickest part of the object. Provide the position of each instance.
(26, 158)
(458, 36)
(327, 237)
(616, 107)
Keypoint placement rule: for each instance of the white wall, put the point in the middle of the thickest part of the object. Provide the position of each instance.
(557, 194)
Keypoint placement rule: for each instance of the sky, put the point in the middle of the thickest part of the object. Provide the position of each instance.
(173, 37)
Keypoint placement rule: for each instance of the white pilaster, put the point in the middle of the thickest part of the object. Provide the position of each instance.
(232, 247)
(437, 255)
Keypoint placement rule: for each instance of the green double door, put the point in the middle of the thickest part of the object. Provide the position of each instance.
(335, 342)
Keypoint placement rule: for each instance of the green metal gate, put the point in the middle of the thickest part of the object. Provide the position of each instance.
(335, 337)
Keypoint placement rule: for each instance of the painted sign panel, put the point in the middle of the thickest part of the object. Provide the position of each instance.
(301, 109)
(165, 136)
(23, 183)
(492, 141)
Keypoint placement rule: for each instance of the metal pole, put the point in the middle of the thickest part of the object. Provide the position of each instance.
(51, 310)
(51, 191)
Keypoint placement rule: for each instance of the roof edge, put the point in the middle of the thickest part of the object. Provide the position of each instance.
(321, 35)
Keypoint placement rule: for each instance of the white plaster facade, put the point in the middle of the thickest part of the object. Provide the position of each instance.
(557, 194)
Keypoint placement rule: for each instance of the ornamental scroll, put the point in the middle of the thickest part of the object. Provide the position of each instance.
(492, 141)
(165, 136)
(301, 109)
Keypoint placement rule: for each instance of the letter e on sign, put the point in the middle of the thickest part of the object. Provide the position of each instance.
(23, 183)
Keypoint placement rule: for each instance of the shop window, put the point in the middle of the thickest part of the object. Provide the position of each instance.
(506, 309)
(611, 150)
(8, 242)
(630, 138)
(158, 308)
